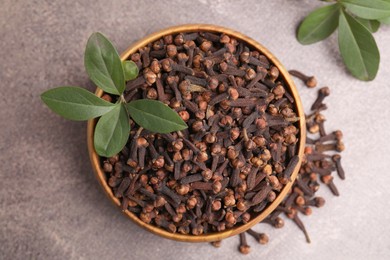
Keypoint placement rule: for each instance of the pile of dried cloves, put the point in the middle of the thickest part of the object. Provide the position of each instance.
(238, 152)
(321, 159)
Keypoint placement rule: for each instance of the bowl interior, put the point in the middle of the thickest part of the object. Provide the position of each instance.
(209, 237)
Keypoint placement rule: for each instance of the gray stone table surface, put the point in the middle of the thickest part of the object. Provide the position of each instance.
(51, 206)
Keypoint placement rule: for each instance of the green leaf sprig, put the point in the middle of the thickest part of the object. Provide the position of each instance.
(109, 73)
(356, 20)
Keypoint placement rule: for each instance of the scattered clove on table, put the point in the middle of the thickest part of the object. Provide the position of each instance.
(321, 159)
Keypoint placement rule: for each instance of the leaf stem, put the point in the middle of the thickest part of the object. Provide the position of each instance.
(122, 99)
(139, 131)
(180, 134)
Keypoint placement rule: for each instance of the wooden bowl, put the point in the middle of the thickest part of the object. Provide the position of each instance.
(95, 159)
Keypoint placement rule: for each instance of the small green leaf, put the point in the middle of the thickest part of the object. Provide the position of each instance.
(130, 69)
(371, 25)
(319, 24)
(155, 116)
(358, 48)
(75, 103)
(368, 9)
(112, 131)
(103, 64)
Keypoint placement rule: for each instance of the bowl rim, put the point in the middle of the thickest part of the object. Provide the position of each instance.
(209, 237)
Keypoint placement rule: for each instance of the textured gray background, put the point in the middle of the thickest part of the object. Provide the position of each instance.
(51, 206)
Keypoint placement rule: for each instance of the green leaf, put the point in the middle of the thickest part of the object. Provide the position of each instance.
(358, 48)
(319, 24)
(103, 64)
(112, 131)
(371, 25)
(155, 116)
(75, 103)
(368, 9)
(130, 70)
(385, 20)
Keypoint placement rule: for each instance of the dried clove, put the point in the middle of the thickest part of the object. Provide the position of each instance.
(222, 170)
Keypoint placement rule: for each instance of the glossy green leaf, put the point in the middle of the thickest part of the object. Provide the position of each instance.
(103, 64)
(371, 25)
(319, 24)
(130, 70)
(112, 131)
(368, 9)
(155, 116)
(358, 48)
(75, 103)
